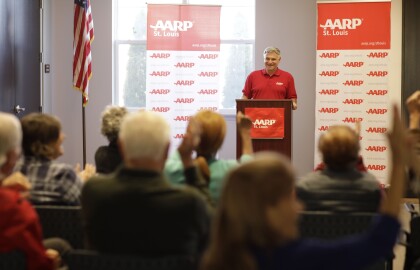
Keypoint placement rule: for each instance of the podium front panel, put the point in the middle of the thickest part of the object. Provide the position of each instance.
(280, 145)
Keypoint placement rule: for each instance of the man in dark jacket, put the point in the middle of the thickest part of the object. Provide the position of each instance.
(340, 186)
(135, 210)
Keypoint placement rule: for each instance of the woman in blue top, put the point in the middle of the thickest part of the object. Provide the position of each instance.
(256, 225)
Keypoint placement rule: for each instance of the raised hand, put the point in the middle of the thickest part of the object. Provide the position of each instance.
(243, 121)
(244, 124)
(190, 142)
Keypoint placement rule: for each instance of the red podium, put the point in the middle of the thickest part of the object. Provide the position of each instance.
(272, 125)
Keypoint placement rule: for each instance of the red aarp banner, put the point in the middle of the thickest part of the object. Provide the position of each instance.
(183, 62)
(354, 26)
(183, 28)
(353, 74)
(268, 123)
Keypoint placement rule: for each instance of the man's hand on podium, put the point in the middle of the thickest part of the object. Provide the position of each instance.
(294, 104)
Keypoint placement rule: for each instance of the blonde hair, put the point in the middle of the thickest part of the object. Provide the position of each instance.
(339, 147)
(213, 133)
(241, 221)
(10, 135)
(144, 134)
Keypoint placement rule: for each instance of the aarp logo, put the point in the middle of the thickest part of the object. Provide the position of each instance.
(175, 26)
(263, 123)
(342, 24)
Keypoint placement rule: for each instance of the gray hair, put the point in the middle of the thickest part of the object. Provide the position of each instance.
(111, 121)
(10, 135)
(270, 50)
(144, 134)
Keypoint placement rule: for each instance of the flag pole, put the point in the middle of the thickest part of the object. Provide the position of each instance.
(84, 134)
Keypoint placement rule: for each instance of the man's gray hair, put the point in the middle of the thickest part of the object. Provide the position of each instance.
(10, 135)
(144, 134)
(270, 50)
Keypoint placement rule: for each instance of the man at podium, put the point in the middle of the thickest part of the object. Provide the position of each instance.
(270, 82)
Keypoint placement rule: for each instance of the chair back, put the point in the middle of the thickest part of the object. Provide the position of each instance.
(89, 260)
(412, 254)
(62, 221)
(13, 260)
(330, 225)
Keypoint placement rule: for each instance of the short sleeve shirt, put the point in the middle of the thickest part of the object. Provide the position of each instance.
(260, 85)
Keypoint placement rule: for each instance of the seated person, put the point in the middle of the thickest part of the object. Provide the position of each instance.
(135, 210)
(19, 224)
(360, 165)
(256, 224)
(52, 183)
(413, 107)
(213, 131)
(108, 157)
(340, 186)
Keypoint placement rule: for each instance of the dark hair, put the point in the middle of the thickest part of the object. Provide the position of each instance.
(241, 221)
(39, 132)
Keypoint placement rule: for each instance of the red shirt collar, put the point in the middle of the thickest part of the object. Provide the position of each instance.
(277, 73)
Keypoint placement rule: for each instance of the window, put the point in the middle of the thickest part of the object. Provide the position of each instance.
(237, 35)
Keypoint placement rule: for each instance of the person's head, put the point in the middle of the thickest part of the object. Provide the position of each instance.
(144, 138)
(272, 57)
(111, 121)
(42, 136)
(339, 147)
(258, 208)
(213, 131)
(10, 143)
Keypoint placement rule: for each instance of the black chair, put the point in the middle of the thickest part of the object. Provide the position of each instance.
(328, 225)
(62, 221)
(89, 260)
(412, 243)
(13, 260)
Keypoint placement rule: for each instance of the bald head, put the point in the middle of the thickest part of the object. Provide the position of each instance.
(339, 147)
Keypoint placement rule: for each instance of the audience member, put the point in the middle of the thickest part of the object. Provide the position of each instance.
(360, 165)
(213, 133)
(108, 157)
(341, 186)
(19, 225)
(52, 183)
(256, 225)
(413, 107)
(135, 210)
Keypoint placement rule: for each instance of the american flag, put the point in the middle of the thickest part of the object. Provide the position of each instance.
(83, 36)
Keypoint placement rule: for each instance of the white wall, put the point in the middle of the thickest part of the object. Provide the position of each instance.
(66, 102)
(290, 25)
